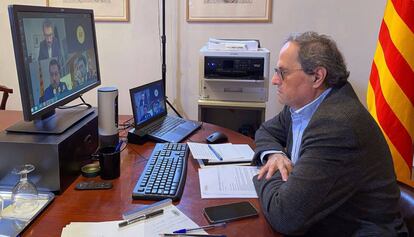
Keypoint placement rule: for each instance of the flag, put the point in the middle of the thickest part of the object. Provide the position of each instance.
(390, 95)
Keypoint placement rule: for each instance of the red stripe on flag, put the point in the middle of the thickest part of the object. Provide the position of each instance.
(405, 9)
(390, 122)
(398, 66)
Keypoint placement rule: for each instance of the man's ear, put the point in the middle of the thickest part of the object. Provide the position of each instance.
(319, 76)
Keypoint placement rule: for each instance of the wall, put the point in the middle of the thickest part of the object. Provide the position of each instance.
(129, 53)
(353, 24)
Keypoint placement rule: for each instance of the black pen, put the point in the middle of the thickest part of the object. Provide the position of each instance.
(143, 217)
(218, 156)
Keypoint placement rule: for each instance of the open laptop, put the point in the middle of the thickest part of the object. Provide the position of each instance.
(150, 115)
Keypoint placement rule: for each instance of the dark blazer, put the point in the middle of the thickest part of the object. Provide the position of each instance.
(343, 183)
(43, 52)
(49, 93)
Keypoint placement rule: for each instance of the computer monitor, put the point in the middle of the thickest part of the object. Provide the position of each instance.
(56, 60)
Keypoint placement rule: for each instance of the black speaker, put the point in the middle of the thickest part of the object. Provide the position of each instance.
(108, 116)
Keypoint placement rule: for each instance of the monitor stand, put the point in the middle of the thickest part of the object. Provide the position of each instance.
(57, 123)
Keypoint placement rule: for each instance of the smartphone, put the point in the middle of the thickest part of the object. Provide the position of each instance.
(229, 212)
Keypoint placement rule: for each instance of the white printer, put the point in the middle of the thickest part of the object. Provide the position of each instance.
(234, 75)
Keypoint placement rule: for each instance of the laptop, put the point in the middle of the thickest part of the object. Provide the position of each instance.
(150, 115)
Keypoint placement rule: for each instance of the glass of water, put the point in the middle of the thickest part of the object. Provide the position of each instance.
(24, 195)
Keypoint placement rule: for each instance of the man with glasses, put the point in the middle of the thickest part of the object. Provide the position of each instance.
(326, 167)
(50, 46)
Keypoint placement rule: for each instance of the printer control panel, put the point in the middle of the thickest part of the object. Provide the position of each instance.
(237, 68)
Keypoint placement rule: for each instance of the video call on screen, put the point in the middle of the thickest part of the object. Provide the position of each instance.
(59, 55)
(149, 102)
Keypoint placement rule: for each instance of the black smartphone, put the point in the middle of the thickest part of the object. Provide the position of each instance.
(229, 212)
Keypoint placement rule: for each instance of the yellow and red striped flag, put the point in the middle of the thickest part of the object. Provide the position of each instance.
(390, 95)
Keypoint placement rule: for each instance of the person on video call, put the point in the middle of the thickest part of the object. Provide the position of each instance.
(146, 114)
(49, 47)
(326, 167)
(92, 74)
(80, 71)
(56, 87)
(156, 107)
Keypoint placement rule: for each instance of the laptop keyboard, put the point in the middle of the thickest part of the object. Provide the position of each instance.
(165, 173)
(163, 126)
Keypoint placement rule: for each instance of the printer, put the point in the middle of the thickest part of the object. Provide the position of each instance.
(234, 75)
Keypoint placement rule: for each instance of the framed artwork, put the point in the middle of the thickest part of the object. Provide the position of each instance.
(104, 10)
(229, 10)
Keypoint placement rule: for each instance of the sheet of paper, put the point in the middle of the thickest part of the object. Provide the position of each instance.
(172, 219)
(201, 151)
(227, 182)
(242, 152)
(219, 44)
(228, 151)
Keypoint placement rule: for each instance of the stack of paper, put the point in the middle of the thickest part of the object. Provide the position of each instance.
(228, 45)
(227, 182)
(171, 220)
(221, 153)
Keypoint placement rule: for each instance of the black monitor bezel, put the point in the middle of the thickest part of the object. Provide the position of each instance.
(19, 57)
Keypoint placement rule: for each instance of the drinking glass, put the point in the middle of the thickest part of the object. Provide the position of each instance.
(24, 194)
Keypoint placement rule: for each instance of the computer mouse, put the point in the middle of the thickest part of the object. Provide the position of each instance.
(217, 137)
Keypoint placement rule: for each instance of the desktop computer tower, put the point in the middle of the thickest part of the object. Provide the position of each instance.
(57, 158)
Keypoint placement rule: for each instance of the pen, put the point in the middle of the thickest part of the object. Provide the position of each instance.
(201, 235)
(215, 152)
(118, 146)
(206, 227)
(143, 217)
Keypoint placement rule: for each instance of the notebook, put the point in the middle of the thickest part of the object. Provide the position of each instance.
(150, 115)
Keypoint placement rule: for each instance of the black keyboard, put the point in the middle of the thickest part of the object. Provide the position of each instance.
(163, 126)
(165, 173)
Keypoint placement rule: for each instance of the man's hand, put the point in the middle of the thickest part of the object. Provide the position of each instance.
(276, 162)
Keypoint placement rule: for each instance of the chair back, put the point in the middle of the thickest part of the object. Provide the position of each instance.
(6, 91)
(407, 206)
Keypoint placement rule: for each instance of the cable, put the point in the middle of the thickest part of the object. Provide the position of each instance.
(125, 125)
(77, 105)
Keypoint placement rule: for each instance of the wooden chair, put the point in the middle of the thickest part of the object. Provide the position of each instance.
(6, 91)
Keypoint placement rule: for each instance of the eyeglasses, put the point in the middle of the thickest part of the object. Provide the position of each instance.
(283, 72)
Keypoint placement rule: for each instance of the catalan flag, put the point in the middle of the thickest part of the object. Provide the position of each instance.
(390, 95)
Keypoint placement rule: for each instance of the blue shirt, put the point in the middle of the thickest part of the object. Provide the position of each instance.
(300, 120)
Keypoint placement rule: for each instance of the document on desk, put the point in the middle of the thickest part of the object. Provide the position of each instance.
(172, 219)
(228, 181)
(227, 151)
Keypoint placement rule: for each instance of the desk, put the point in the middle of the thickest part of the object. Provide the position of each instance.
(107, 205)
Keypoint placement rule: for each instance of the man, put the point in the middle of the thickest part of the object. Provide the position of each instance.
(50, 46)
(146, 115)
(156, 107)
(80, 71)
(327, 169)
(56, 87)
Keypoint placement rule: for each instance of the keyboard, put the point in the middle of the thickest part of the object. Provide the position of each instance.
(165, 173)
(163, 126)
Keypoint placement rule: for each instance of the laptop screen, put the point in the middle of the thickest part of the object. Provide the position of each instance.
(148, 102)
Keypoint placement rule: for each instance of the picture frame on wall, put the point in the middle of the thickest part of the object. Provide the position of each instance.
(228, 10)
(104, 10)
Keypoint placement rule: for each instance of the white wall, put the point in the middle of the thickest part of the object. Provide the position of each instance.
(353, 24)
(129, 53)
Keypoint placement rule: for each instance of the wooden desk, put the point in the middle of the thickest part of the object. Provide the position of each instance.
(108, 205)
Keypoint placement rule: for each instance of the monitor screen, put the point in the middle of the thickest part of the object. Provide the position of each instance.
(56, 56)
(148, 102)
